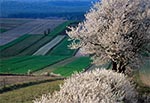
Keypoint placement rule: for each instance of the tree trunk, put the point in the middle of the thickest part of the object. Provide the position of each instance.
(121, 68)
(118, 67)
(114, 66)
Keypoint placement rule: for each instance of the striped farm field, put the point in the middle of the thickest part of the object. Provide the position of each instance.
(75, 66)
(44, 49)
(13, 42)
(21, 65)
(62, 49)
(49, 24)
(61, 28)
(30, 50)
(28, 44)
(42, 42)
(20, 46)
(17, 56)
(36, 26)
(58, 38)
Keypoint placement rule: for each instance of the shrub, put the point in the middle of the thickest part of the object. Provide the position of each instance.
(97, 86)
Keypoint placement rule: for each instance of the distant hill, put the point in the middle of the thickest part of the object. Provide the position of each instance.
(64, 9)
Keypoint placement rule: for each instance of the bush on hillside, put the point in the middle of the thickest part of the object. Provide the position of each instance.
(97, 86)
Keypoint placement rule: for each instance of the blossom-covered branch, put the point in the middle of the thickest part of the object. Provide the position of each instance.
(115, 30)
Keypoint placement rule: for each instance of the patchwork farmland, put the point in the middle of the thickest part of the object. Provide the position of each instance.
(34, 54)
(21, 27)
(38, 51)
(43, 50)
(31, 51)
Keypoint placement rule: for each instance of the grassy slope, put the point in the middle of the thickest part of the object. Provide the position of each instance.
(46, 39)
(77, 65)
(55, 66)
(36, 46)
(21, 46)
(24, 95)
(62, 49)
(13, 42)
(25, 41)
(24, 64)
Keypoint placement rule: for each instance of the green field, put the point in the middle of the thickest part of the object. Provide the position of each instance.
(2, 30)
(30, 50)
(20, 46)
(62, 49)
(21, 65)
(28, 44)
(20, 50)
(46, 39)
(77, 65)
(13, 42)
(28, 94)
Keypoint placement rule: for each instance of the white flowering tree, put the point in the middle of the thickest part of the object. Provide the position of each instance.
(114, 30)
(97, 86)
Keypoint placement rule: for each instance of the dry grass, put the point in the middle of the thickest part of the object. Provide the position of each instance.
(27, 94)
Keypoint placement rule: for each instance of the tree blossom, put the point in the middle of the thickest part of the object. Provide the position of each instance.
(114, 30)
(97, 86)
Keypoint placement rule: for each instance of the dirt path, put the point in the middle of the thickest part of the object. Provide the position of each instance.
(54, 66)
(12, 79)
(43, 50)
